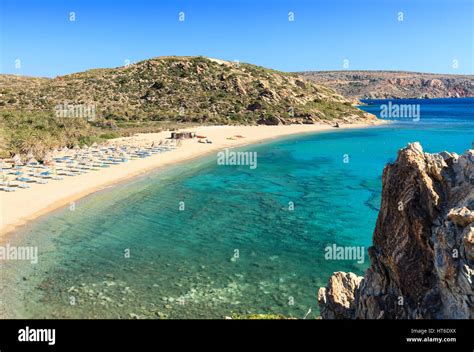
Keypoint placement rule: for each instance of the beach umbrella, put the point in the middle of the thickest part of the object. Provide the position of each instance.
(17, 159)
(48, 158)
(32, 161)
(7, 179)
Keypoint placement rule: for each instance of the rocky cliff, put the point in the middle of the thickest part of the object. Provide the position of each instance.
(391, 84)
(422, 257)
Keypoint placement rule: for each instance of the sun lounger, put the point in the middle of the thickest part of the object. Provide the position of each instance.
(66, 173)
(21, 185)
(24, 179)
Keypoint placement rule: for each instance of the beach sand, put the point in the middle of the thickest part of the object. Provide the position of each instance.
(19, 207)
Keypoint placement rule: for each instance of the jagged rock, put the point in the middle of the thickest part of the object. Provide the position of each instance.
(468, 242)
(337, 300)
(239, 87)
(423, 244)
(461, 216)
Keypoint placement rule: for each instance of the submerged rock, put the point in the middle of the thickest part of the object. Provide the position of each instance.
(422, 257)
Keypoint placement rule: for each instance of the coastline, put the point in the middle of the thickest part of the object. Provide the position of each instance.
(19, 208)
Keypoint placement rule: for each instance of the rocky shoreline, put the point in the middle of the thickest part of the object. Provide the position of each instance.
(422, 257)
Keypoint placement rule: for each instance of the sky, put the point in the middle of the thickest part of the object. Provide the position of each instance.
(38, 37)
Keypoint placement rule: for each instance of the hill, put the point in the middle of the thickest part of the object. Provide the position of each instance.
(183, 89)
(393, 84)
(39, 114)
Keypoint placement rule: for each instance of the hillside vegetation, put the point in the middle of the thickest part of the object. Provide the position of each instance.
(160, 93)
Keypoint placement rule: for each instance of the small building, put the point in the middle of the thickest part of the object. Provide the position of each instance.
(183, 135)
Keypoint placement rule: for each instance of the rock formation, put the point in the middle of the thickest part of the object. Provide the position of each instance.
(394, 84)
(422, 257)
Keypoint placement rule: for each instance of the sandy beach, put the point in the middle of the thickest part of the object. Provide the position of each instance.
(19, 207)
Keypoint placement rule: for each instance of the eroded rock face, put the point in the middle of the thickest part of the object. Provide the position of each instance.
(337, 300)
(423, 244)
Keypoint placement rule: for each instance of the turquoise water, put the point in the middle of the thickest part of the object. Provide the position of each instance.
(236, 246)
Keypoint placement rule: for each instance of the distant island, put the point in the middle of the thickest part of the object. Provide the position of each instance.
(393, 84)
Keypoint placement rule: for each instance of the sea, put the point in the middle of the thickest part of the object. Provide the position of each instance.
(210, 240)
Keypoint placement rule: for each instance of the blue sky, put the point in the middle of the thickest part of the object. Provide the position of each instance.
(324, 33)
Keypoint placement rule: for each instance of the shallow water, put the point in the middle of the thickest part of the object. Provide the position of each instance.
(236, 246)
